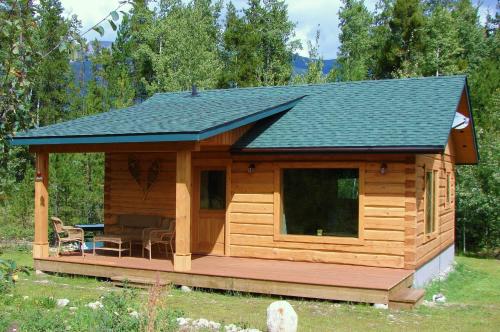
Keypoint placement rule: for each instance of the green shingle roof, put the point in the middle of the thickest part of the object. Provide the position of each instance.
(367, 114)
(386, 113)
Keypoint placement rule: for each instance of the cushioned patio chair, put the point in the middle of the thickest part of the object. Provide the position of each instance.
(67, 234)
(165, 236)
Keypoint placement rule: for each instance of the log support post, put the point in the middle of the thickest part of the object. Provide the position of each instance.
(183, 193)
(41, 244)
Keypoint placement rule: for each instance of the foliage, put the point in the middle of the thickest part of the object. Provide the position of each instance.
(258, 47)
(315, 63)
(355, 41)
(9, 274)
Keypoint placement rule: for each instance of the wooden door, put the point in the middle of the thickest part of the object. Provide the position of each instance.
(209, 215)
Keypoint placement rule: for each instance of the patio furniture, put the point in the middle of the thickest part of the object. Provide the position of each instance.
(67, 234)
(115, 239)
(165, 236)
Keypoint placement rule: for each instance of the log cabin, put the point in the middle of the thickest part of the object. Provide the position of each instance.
(341, 191)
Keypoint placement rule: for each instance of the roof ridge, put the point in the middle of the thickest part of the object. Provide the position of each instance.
(315, 84)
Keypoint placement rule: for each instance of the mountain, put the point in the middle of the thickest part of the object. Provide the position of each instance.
(82, 69)
(300, 64)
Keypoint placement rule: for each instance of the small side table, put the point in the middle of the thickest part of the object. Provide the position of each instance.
(116, 239)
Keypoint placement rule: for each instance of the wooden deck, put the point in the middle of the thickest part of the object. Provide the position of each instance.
(301, 279)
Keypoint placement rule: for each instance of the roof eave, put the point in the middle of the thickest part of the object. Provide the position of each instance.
(348, 149)
(156, 137)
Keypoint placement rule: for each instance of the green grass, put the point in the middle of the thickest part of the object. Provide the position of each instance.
(472, 291)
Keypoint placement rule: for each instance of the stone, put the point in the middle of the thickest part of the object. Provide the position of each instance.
(95, 305)
(73, 308)
(62, 302)
(439, 298)
(185, 289)
(203, 323)
(231, 328)
(380, 306)
(40, 273)
(181, 321)
(25, 297)
(281, 317)
(134, 314)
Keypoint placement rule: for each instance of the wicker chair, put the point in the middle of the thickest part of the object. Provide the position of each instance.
(67, 234)
(161, 236)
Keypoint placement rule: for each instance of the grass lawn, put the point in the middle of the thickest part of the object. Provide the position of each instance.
(472, 291)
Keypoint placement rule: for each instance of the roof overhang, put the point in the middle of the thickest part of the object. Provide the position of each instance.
(157, 137)
(348, 149)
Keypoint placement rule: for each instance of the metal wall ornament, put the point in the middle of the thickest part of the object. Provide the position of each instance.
(134, 168)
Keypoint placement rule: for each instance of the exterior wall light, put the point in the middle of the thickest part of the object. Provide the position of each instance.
(251, 168)
(383, 168)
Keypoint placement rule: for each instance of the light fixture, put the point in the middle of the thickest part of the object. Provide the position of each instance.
(251, 168)
(383, 168)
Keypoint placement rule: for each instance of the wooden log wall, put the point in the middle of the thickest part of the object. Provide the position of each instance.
(123, 195)
(252, 213)
(429, 245)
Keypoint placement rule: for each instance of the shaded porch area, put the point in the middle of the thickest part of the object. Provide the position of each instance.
(275, 277)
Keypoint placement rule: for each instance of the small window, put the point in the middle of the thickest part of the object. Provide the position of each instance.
(448, 189)
(320, 202)
(213, 190)
(430, 202)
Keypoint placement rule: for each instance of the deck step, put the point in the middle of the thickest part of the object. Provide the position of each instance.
(406, 298)
(139, 282)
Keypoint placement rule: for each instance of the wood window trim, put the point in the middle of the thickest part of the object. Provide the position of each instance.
(277, 236)
(435, 177)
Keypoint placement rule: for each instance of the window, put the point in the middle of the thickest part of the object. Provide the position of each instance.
(320, 202)
(213, 190)
(448, 189)
(430, 201)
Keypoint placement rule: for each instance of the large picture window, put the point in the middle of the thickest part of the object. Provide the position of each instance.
(320, 202)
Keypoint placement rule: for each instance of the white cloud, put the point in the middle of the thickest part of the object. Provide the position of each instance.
(307, 14)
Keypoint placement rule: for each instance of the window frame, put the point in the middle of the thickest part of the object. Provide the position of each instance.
(435, 182)
(278, 203)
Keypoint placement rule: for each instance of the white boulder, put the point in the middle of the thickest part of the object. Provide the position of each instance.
(95, 305)
(185, 289)
(62, 302)
(281, 317)
(380, 306)
(440, 298)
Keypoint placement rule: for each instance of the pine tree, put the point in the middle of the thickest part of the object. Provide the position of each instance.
(53, 72)
(403, 49)
(355, 41)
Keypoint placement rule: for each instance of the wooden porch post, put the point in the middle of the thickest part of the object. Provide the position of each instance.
(182, 257)
(41, 244)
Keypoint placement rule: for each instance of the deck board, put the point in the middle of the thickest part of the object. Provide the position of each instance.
(322, 274)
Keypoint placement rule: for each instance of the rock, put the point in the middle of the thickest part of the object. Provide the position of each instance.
(181, 321)
(250, 330)
(44, 281)
(95, 305)
(73, 308)
(62, 302)
(281, 317)
(25, 297)
(231, 328)
(185, 289)
(134, 314)
(203, 323)
(380, 306)
(40, 273)
(439, 298)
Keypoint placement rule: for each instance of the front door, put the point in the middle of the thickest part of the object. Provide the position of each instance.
(209, 213)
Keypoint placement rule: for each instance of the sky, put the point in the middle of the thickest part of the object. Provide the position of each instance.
(306, 14)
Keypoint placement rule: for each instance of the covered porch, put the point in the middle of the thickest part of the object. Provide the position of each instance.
(178, 155)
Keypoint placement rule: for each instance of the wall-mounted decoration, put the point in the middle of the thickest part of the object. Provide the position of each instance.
(134, 169)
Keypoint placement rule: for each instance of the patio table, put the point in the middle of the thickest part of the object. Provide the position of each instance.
(116, 239)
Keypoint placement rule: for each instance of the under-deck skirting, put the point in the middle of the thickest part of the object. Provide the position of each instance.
(284, 278)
